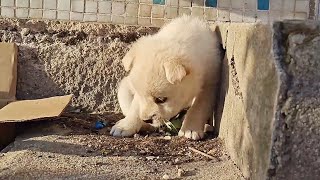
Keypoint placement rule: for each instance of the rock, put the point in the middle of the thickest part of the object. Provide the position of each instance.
(142, 152)
(167, 137)
(150, 157)
(166, 176)
(25, 31)
(212, 152)
(176, 161)
(181, 172)
(136, 136)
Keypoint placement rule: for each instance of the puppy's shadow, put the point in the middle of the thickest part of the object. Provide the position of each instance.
(223, 86)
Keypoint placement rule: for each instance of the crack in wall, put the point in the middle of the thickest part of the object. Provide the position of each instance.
(235, 80)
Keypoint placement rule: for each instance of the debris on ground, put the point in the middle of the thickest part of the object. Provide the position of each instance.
(100, 124)
(181, 172)
(166, 176)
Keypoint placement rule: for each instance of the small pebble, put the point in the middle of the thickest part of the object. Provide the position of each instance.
(89, 151)
(167, 137)
(77, 110)
(25, 31)
(142, 152)
(136, 136)
(166, 176)
(180, 172)
(176, 161)
(150, 157)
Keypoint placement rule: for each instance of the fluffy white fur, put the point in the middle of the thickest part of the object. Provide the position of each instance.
(181, 63)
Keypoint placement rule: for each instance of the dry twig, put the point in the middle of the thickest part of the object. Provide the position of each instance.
(203, 154)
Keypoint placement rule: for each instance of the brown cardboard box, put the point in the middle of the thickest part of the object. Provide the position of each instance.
(12, 111)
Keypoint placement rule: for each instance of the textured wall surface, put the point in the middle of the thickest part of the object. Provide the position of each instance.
(248, 96)
(157, 12)
(296, 137)
(62, 58)
(268, 114)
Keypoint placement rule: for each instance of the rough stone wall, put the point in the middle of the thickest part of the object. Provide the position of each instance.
(296, 147)
(57, 58)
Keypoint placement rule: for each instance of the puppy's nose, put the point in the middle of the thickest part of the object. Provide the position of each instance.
(149, 121)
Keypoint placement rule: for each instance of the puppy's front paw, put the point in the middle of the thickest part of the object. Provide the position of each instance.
(125, 128)
(191, 133)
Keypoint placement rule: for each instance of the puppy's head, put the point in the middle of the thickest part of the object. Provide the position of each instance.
(162, 79)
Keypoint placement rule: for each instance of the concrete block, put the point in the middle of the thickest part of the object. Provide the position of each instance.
(63, 15)
(104, 7)
(131, 20)
(171, 12)
(145, 10)
(197, 12)
(49, 14)
(157, 22)
(118, 8)
(90, 17)
(7, 12)
(35, 13)
(49, 4)
(268, 108)
(244, 119)
(36, 4)
(132, 10)
(75, 16)
(186, 11)
(22, 3)
(63, 5)
(22, 13)
(9, 3)
(91, 7)
(104, 18)
(157, 12)
(77, 5)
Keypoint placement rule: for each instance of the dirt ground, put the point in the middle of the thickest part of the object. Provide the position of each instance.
(69, 147)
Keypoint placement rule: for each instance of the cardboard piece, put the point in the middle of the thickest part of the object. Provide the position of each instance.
(34, 109)
(8, 72)
(12, 111)
(8, 81)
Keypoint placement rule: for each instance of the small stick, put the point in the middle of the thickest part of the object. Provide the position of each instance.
(203, 154)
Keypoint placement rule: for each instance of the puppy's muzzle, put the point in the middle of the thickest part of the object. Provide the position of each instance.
(149, 120)
(179, 115)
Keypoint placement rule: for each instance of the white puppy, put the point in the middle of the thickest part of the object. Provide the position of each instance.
(174, 69)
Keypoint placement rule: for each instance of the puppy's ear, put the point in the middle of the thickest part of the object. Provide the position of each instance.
(175, 71)
(128, 59)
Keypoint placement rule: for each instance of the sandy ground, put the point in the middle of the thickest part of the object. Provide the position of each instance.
(70, 147)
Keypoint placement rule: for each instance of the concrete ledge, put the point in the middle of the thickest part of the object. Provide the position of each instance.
(268, 113)
(248, 95)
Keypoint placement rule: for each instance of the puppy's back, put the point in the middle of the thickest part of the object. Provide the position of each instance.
(193, 38)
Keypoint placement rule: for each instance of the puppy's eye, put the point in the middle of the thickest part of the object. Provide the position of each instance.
(160, 100)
